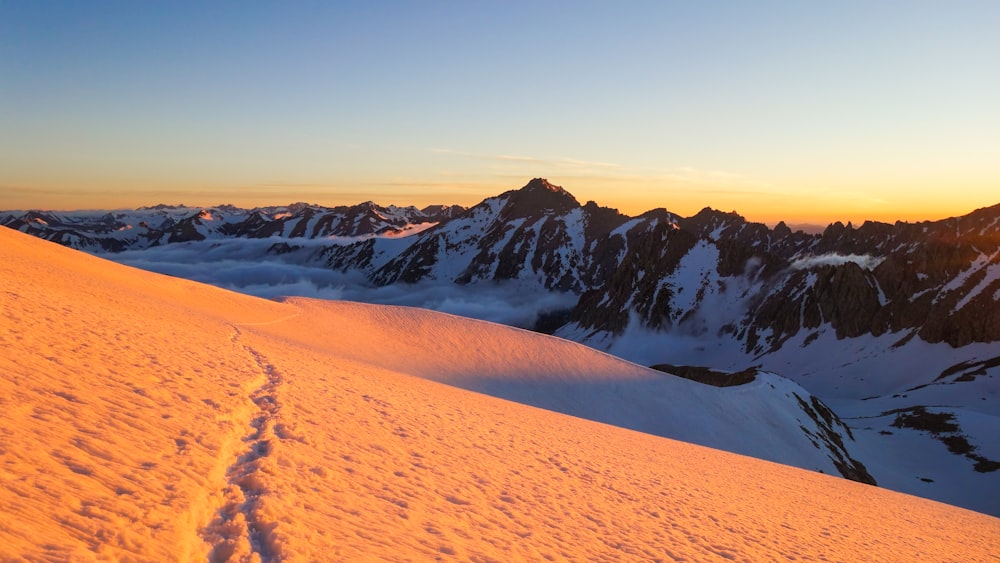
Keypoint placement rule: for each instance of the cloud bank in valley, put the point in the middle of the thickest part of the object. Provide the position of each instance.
(246, 266)
(866, 261)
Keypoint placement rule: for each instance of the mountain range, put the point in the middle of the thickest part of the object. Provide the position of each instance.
(892, 329)
(150, 418)
(932, 279)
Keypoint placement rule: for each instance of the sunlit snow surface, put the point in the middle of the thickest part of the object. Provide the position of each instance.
(151, 418)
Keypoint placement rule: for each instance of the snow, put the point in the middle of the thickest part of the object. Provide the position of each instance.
(990, 228)
(882, 298)
(917, 463)
(861, 378)
(873, 366)
(990, 276)
(152, 418)
(508, 230)
(575, 223)
(695, 276)
(981, 262)
(559, 375)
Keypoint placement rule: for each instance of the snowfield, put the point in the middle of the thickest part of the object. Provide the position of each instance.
(760, 419)
(144, 417)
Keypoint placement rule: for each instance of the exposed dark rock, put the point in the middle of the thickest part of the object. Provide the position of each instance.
(538, 197)
(356, 256)
(970, 370)
(943, 427)
(415, 264)
(551, 321)
(186, 230)
(441, 213)
(709, 376)
(830, 426)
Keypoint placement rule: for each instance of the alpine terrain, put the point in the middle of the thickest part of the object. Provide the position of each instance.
(870, 352)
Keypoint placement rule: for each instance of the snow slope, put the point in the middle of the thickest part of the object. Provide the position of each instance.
(761, 419)
(151, 418)
(866, 380)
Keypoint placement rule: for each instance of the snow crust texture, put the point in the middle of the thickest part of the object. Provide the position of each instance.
(149, 418)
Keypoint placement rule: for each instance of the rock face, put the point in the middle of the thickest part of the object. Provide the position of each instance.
(713, 273)
(937, 280)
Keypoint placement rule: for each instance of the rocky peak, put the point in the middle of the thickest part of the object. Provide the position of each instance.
(439, 213)
(708, 221)
(229, 208)
(782, 230)
(601, 220)
(660, 214)
(299, 206)
(162, 207)
(543, 184)
(539, 197)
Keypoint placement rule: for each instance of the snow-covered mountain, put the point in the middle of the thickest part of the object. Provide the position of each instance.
(889, 325)
(116, 231)
(538, 234)
(146, 417)
(936, 280)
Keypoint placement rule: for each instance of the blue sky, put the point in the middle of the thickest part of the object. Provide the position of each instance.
(779, 110)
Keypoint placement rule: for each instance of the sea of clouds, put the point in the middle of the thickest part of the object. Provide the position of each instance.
(246, 266)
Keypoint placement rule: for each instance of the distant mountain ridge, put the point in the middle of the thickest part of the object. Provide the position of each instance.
(117, 231)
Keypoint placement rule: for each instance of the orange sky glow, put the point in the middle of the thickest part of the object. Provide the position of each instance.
(632, 196)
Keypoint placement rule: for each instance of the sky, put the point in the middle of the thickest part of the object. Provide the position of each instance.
(795, 111)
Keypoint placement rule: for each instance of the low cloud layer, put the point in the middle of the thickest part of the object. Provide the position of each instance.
(244, 265)
(864, 260)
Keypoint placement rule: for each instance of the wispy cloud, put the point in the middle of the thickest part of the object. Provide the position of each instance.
(561, 163)
(517, 167)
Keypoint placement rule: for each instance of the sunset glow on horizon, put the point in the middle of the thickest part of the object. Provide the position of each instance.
(778, 111)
